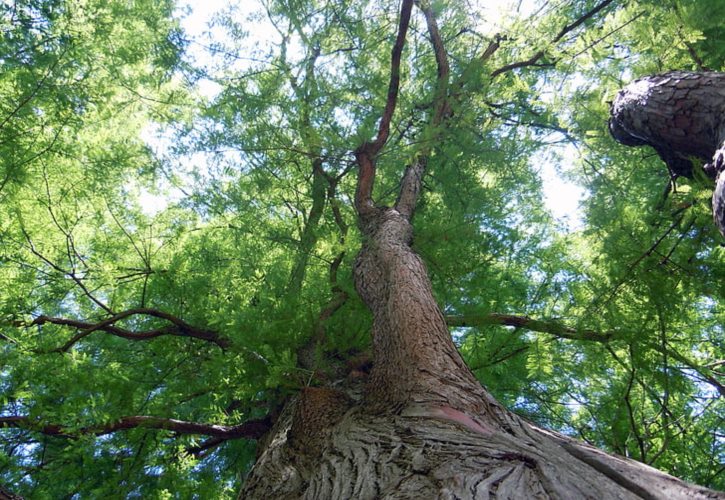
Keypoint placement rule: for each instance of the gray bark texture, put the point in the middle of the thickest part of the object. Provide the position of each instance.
(682, 116)
(420, 425)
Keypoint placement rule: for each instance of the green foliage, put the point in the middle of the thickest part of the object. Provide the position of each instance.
(258, 238)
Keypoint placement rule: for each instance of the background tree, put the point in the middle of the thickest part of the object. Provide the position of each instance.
(142, 352)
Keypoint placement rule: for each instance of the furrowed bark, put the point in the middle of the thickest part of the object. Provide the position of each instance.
(682, 116)
(438, 454)
(415, 360)
(176, 327)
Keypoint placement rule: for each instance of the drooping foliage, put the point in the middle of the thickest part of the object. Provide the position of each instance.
(123, 325)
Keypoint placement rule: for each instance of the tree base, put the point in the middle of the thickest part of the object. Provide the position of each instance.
(405, 456)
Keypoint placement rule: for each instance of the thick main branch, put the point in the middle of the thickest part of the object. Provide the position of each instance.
(366, 154)
(680, 115)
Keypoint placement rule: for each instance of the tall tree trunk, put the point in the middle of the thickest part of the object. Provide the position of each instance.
(421, 425)
(681, 115)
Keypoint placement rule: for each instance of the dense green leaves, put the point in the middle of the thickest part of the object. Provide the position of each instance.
(238, 287)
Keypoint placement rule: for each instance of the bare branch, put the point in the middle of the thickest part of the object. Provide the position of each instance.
(695, 57)
(630, 411)
(702, 370)
(413, 177)
(493, 46)
(6, 494)
(200, 450)
(252, 429)
(609, 295)
(394, 85)
(177, 328)
(410, 187)
(144, 258)
(443, 68)
(534, 59)
(7, 339)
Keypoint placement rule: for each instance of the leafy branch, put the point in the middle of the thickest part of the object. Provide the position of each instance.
(704, 372)
(550, 327)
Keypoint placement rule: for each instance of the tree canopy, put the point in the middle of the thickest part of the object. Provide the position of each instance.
(144, 349)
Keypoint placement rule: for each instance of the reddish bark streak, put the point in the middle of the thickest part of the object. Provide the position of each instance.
(453, 415)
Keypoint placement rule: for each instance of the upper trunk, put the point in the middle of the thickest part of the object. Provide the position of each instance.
(415, 360)
(681, 115)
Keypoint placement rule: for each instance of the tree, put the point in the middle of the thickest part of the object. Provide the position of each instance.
(679, 114)
(145, 353)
